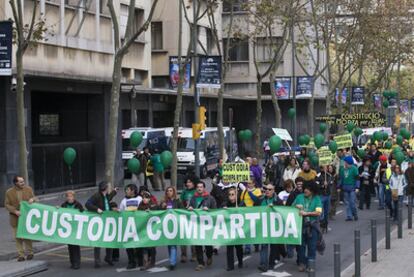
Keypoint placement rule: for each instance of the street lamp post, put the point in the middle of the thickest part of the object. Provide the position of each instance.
(196, 93)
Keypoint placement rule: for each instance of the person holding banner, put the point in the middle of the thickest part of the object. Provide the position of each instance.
(99, 203)
(131, 203)
(18, 193)
(350, 186)
(267, 261)
(231, 202)
(171, 201)
(74, 250)
(202, 200)
(310, 206)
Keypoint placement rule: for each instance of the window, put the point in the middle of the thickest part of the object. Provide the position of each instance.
(123, 20)
(266, 47)
(238, 5)
(160, 82)
(49, 125)
(238, 49)
(156, 36)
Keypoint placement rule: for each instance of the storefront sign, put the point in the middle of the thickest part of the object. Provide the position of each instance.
(282, 87)
(209, 72)
(6, 39)
(233, 226)
(236, 172)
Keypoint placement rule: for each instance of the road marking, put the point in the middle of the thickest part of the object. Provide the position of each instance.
(339, 212)
(157, 269)
(278, 265)
(161, 261)
(244, 259)
(67, 256)
(52, 250)
(276, 274)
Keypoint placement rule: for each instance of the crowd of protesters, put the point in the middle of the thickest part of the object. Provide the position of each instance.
(285, 180)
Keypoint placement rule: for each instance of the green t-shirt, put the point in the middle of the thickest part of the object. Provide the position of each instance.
(349, 175)
(312, 204)
(186, 196)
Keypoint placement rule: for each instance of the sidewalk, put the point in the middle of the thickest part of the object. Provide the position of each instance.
(397, 261)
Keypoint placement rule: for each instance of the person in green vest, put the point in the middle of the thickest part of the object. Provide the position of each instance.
(310, 206)
(350, 186)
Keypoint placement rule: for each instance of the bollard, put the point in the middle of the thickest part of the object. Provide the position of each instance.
(311, 265)
(373, 240)
(387, 230)
(357, 245)
(410, 212)
(337, 260)
(400, 220)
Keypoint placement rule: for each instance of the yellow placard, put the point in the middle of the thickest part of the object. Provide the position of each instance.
(236, 172)
(344, 141)
(325, 156)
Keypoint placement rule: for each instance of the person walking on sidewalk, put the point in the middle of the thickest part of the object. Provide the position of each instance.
(74, 250)
(14, 196)
(99, 203)
(202, 200)
(397, 185)
(382, 177)
(350, 186)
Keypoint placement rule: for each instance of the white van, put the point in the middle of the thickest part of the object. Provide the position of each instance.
(209, 149)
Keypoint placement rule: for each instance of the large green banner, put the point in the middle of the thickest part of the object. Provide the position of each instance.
(254, 225)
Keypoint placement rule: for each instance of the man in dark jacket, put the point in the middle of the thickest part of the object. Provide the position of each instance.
(99, 203)
(202, 200)
(280, 169)
(366, 175)
(409, 175)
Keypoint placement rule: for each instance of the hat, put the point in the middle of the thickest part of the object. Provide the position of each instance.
(383, 158)
(349, 160)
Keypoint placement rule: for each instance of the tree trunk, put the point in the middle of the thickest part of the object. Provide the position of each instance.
(311, 113)
(275, 102)
(21, 120)
(258, 117)
(113, 120)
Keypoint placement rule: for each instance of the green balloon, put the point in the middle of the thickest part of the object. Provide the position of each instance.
(314, 159)
(405, 133)
(350, 126)
(323, 127)
(399, 157)
(399, 140)
(307, 139)
(134, 165)
(135, 139)
(385, 103)
(319, 140)
(361, 153)
(69, 156)
(275, 143)
(241, 135)
(291, 113)
(388, 145)
(333, 146)
(384, 136)
(166, 158)
(396, 150)
(377, 136)
(358, 131)
(302, 140)
(248, 134)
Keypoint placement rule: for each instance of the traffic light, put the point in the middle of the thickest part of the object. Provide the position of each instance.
(196, 131)
(202, 117)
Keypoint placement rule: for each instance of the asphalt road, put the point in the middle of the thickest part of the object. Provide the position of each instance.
(339, 232)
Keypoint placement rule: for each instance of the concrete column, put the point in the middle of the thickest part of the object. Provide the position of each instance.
(42, 8)
(62, 22)
(98, 25)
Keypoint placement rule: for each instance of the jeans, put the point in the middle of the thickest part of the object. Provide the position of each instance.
(381, 195)
(309, 240)
(350, 199)
(172, 253)
(397, 204)
(326, 202)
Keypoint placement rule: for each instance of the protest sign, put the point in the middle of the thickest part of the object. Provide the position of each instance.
(233, 226)
(344, 141)
(362, 120)
(236, 172)
(325, 156)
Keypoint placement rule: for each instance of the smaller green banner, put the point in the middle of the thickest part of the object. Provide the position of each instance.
(236, 172)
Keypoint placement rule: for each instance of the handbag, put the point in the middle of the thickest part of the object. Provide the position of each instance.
(394, 194)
